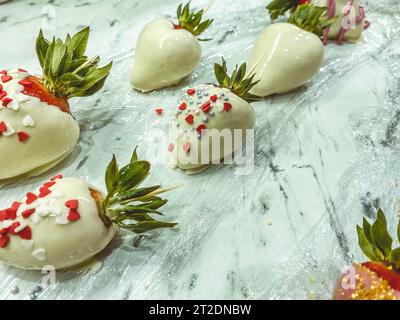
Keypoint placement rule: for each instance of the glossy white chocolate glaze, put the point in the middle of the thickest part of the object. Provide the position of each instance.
(240, 116)
(55, 240)
(163, 56)
(53, 134)
(284, 57)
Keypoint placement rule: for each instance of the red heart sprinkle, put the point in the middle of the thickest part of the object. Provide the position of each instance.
(59, 176)
(30, 197)
(1, 87)
(49, 184)
(44, 192)
(22, 136)
(26, 233)
(191, 91)
(21, 70)
(3, 215)
(11, 214)
(3, 72)
(159, 110)
(189, 119)
(186, 146)
(72, 204)
(25, 82)
(73, 215)
(3, 231)
(6, 101)
(183, 106)
(214, 98)
(27, 213)
(171, 147)
(14, 226)
(15, 205)
(3, 127)
(206, 107)
(6, 78)
(227, 106)
(2, 94)
(200, 127)
(4, 241)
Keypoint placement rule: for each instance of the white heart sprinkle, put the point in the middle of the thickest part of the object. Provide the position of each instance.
(13, 105)
(35, 218)
(28, 121)
(39, 254)
(62, 218)
(21, 227)
(43, 210)
(220, 107)
(10, 130)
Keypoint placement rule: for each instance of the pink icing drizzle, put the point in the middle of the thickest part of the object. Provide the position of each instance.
(331, 8)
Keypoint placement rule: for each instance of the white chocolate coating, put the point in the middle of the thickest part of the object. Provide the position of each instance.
(355, 31)
(240, 116)
(284, 58)
(164, 56)
(53, 134)
(53, 242)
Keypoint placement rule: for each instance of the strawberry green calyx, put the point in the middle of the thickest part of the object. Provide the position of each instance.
(311, 18)
(67, 72)
(239, 82)
(376, 242)
(279, 7)
(127, 205)
(192, 21)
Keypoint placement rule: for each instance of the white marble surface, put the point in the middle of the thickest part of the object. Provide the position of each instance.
(325, 155)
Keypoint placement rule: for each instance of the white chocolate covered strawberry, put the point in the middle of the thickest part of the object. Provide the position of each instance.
(349, 23)
(211, 121)
(37, 129)
(66, 221)
(379, 278)
(340, 20)
(284, 58)
(168, 52)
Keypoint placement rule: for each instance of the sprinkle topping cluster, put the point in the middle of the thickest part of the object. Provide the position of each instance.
(10, 98)
(199, 102)
(35, 206)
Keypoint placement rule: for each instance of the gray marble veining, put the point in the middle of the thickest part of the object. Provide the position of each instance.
(326, 155)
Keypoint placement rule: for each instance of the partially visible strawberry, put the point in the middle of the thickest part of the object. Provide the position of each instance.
(34, 87)
(378, 279)
(30, 134)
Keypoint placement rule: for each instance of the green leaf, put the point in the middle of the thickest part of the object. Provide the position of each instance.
(366, 247)
(112, 175)
(41, 48)
(380, 235)
(367, 230)
(126, 203)
(279, 7)
(67, 72)
(79, 42)
(192, 21)
(398, 231)
(395, 258)
(134, 157)
(310, 18)
(239, 83)
(132, 194)
(146, 226)
(57, 57)
(133, 174)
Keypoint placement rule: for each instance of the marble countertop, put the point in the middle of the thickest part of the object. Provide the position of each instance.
(325, 156)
